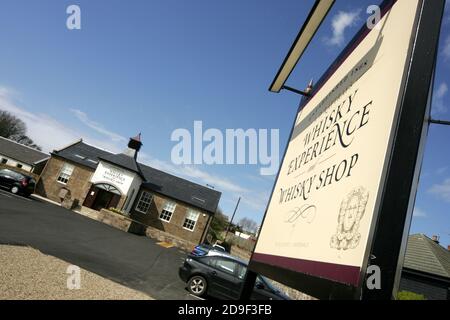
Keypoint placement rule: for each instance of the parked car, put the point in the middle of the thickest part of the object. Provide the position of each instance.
(16, 182)
(221, 276)
(204, 249)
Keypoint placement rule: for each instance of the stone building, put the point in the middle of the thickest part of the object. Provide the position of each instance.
(17, 155)
(89, 177)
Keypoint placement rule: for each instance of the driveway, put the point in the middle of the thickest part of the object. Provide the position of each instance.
(134, 261)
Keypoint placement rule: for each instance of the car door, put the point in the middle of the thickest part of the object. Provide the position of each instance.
(31, 185)
(262, 291)
(223, 279)
(2, 178)
(7, 178)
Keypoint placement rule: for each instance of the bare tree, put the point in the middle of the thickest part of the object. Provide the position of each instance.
(25, 140)
(248, 225)
(11, 126)
(15, 129)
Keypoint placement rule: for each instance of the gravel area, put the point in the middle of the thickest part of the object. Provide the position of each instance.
(26, 273)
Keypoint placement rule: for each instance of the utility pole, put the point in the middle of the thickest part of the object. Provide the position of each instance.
(231, 221)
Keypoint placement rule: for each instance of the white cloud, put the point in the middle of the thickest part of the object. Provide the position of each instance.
(447, 12)
(46, 131)
(97, 126)
(192, 172)
(441, 171)
(441, 190)
(439, 106)
(442, 91)
(419, 213)
(341, 21)
(257, 201)
(446, 50)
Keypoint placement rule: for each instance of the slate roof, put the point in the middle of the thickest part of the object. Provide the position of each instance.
(425, 255)
(155, 180)
(124, 161)
(82, 153)
(20, 152)
(181, 189)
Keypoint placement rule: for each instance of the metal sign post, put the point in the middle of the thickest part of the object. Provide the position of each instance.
(396, 210)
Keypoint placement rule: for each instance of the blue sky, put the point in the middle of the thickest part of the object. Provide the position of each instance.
(156, 66)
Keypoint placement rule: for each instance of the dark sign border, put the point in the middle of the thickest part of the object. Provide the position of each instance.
(387, 240)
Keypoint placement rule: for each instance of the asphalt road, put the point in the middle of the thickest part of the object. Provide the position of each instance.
(134, 261)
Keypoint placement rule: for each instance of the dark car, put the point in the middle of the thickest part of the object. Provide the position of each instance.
(222, 276)
(17, 183)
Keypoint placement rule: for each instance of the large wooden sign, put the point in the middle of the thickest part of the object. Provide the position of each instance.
(325, 214)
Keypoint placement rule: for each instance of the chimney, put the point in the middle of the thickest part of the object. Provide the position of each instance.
(448, 247)
(435, 239)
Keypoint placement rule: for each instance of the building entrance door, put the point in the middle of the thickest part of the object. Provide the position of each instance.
(102, 196)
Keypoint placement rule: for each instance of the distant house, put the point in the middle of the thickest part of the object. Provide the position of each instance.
(242, 235)
(17, 155)
(426, 269)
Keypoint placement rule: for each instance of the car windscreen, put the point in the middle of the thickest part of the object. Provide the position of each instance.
(13, 174)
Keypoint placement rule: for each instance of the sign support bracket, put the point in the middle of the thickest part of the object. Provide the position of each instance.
(440, 122)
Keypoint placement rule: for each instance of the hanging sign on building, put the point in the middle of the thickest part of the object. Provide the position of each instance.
(114, 175)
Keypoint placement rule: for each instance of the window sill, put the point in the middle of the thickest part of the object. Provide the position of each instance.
(141, 212)
(189, 229)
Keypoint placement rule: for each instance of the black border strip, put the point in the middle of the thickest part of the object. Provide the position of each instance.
(395, 210)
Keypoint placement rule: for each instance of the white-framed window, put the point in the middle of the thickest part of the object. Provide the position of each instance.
(191, 219)
(144, 202)
(167, 211)
(65, 173)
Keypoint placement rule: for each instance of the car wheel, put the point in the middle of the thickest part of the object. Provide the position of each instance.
(197, 286)
(15, 190)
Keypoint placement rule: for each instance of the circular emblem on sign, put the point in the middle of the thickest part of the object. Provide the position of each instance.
(350, 214)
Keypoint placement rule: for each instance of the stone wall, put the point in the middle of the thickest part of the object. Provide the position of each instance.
(115, 220)
(127, 224)
(78, 185)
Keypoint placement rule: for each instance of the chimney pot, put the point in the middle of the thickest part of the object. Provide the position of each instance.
(435, 239)
(448, 247)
